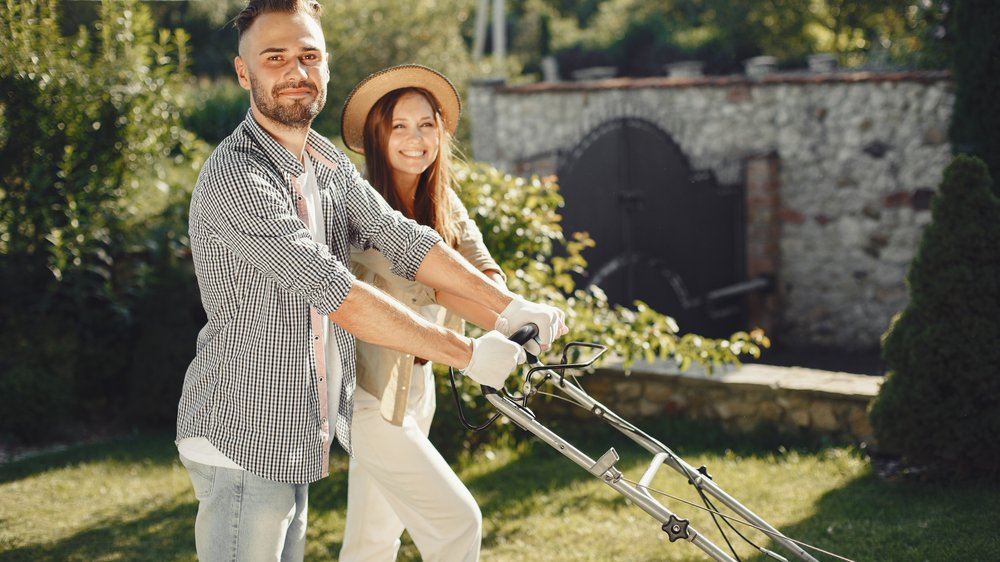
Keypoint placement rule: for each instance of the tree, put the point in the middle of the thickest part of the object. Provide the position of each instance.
(85, 120)
(723, 33)
(976, 119)
(427, 32)
(940, 402)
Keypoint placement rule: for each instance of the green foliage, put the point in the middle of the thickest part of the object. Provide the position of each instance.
(940, 403)
(89, 127)
(216, 108)
(976, 118)
(520, 223)
(86, 121)
(639, 37)
(427, 32)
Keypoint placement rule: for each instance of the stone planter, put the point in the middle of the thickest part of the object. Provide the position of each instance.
(822, 63)
(594, 73)
(685, 69)
(760, 66)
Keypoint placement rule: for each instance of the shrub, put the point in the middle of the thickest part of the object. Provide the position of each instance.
(940, 403)
(216, 108)
(88, 126)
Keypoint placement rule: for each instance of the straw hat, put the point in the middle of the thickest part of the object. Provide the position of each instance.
(371, 89)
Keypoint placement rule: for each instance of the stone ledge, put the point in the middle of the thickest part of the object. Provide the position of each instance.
(824, 403)
(792, 378)
(796, 378)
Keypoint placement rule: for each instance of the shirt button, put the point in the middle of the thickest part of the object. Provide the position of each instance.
(322, 420)
(321, 379)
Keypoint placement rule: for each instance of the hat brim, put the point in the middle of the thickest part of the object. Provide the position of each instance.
(364, 96)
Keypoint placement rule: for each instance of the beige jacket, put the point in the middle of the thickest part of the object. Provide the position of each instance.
(385, 373)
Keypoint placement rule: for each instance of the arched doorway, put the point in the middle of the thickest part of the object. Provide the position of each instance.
(666, 234)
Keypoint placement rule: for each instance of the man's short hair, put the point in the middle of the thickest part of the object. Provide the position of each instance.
(254, 8)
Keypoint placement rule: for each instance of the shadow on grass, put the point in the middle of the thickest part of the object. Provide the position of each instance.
(871, 519)
(542, 470)
(157, 449)
(163, 532)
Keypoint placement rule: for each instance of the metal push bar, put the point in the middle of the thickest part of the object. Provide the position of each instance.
(604, 467)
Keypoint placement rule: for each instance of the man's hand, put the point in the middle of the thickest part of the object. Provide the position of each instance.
(520, 312)
(494, 357)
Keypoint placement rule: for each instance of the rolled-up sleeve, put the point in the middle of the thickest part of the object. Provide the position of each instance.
(470, 239)
(254, 219)
(372, 223)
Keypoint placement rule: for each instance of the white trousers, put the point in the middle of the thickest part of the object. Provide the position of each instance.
(398, 480)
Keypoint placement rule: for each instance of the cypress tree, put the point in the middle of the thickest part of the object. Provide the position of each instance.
(976, 66)
(940, 403)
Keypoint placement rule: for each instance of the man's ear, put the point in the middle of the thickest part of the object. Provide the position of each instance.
(241, 72)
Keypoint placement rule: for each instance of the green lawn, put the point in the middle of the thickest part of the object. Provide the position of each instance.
(131, 500)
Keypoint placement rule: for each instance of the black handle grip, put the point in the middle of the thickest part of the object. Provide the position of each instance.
(522, 335)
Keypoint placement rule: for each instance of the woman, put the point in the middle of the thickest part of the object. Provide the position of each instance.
(402, 119)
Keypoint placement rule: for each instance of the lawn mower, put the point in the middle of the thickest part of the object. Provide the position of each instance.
(515, 407)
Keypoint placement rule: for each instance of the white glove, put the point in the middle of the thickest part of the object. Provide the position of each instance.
(494, 357)
(520, 312)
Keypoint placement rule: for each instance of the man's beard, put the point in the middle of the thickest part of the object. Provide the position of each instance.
(297, 115)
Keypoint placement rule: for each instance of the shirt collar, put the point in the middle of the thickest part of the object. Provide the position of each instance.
(324, 153)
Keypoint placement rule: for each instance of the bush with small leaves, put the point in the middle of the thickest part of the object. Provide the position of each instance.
(940, 403)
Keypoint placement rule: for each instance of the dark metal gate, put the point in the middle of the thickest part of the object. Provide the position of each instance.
(666, 235)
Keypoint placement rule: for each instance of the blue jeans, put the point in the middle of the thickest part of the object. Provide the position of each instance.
(245, 518)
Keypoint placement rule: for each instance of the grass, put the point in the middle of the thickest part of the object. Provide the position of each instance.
(130, 499)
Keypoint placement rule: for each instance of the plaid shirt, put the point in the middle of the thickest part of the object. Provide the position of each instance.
(252, 388)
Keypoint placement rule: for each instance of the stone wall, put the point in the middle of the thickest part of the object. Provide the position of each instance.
(820, 403)
(853, 159)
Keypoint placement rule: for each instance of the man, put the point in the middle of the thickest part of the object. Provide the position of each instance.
(273, 214)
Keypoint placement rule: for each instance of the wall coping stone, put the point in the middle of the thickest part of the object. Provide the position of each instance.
(824, 403)
(797, 379)
(922, 76)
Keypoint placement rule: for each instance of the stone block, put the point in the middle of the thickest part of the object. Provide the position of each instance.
(648, 408)
(792, 216)
(599, 385)
(859, 425)
(628, 390)
(657, 392)
(822, 417)
(770, 411)
(722, 410)
(799, 417)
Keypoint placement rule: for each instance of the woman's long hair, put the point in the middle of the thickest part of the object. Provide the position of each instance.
(431, 204)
